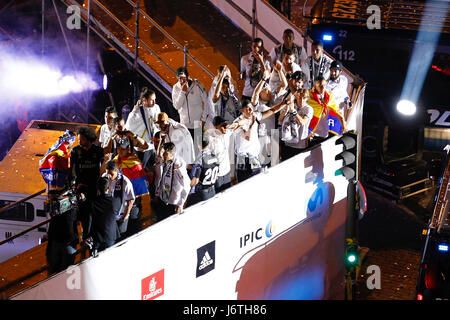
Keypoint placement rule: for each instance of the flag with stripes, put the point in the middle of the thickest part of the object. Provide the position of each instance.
(328, 104)
(132, 168)
(54, 166)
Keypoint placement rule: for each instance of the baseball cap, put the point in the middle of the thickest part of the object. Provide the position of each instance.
(336, 64)
(218, 120)
(162, 117)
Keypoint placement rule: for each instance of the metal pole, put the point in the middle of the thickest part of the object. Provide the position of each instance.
(254, 20)
(43, 29)
(88, 24)
(136, 53)
(185, 50)
(289, 5)
(136, 36)
(88, 30)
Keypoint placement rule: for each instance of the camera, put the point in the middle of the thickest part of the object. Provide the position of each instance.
(59, 203)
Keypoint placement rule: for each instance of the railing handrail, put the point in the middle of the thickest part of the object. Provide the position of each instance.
(156, 25)
(174, 41)
(24, 231)
(284, 18)
(9, 206)
(22, 200)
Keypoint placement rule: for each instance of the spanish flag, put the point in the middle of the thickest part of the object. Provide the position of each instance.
(132, 168)
(54, 166)
(327, 105)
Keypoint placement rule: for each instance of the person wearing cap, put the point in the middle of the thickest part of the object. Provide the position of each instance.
(172, 181)
(337, 85)
(190, 99)
(141, 121)
(318, 64)
(205, 171)
(278, 52)
(224, 101)
(246, 142)
(220, 137)
(172, 131)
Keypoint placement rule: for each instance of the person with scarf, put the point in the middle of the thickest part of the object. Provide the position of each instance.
(223, 99)
(172, 182)
(318, 64)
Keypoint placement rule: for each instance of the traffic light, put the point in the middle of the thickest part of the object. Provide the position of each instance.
(351, 254)
(349, 155)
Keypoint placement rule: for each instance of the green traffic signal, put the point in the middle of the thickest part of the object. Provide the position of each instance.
(351, 258)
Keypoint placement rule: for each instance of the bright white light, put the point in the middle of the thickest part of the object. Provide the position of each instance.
(443, 247)
(105, 82)
(27, 77)
(327, 37)
(406, 107)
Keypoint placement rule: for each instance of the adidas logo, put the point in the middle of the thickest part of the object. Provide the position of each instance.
(206, 261)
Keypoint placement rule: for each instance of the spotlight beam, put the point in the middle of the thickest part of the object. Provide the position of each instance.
(421, 58)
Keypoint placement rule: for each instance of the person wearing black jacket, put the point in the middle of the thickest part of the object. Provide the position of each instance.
(85, 163)
(104, 230)
(62, 240)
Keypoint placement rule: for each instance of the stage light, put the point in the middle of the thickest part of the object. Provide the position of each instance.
(406, 107)
(443, 247)
(105, 82)
(327, 37)
(29, 77)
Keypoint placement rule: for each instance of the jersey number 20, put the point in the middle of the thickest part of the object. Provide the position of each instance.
(211, 176)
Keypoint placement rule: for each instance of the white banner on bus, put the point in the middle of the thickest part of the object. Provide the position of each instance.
(278, 235)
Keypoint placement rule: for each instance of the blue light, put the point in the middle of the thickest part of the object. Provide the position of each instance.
(327, 37)
(443, 247)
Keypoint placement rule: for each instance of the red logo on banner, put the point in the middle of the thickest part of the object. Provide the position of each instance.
(153, 286)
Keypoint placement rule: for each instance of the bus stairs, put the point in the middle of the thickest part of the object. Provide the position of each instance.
(125, 25)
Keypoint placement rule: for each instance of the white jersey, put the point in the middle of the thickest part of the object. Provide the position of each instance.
(105, 135)
(252, 146)
(135, 123)
(192, 105)
(172, 181)
(220, 146)
(277, 53)
(301, 131)
(249, 66)
(339, 91)
(313, 68)
(127, 191)
(180, 136)
(275, 81)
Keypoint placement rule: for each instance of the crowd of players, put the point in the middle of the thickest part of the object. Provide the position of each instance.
(189, 161)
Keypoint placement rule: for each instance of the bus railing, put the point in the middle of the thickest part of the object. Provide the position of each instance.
(138, 40)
